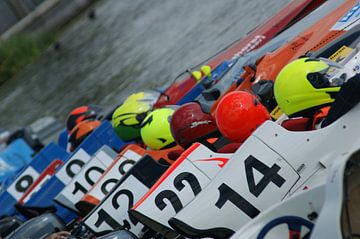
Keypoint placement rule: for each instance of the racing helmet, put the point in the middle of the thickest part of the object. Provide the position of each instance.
(155, 129)
(305, 84)
(148, 95)
(205, 71)
(81, 131)
(238, 114)
(127, 118)
(190, 124)
(82, 113)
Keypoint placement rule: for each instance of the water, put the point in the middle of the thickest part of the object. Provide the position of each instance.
(132, 45)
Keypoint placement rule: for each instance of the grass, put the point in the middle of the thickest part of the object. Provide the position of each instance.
(20, 50)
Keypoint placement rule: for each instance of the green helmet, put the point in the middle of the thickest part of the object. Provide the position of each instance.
(155, 129)
(304, 84)
(127, 118)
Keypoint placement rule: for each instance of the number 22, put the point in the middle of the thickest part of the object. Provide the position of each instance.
(179, 185)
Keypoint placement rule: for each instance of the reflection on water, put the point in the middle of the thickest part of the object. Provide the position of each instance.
(130, 46)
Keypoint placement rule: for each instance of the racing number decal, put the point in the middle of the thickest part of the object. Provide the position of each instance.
(81, 188)
(270, 174)
(22, 183)
(112, 213)
(104, 186)
(73, 166)
(123, 164)
(69, 167)
(228, 194)
(103, 216)
(87, 174)
(172, 197)
(81, 183)
(116, 204)
(179, 185)
(113, 181)
(191, 179)
(106, 183)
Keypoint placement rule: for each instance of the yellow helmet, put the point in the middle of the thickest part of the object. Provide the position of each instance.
(149, 95)
(127, 118)
(205, 71)
(135, 96)
(155, 129)
(304, 84)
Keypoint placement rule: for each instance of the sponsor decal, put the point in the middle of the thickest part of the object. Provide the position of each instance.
(196, 124)
(341, 54)
(348, 20)
(222, 161)
(250, 46)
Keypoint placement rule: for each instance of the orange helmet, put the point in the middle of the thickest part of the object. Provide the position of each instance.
(81, 131)
(238, 114)
(82, 113)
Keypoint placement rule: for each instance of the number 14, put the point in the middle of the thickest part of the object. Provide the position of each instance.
(269, 175)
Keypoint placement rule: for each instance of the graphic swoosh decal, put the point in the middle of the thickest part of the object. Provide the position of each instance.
(222, 161)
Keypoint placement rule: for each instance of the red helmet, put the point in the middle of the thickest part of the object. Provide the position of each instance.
(81, 131)
(80, 114)
(238, 114)
(190, 124)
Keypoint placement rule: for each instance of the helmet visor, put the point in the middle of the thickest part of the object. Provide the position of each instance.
(332, 76)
